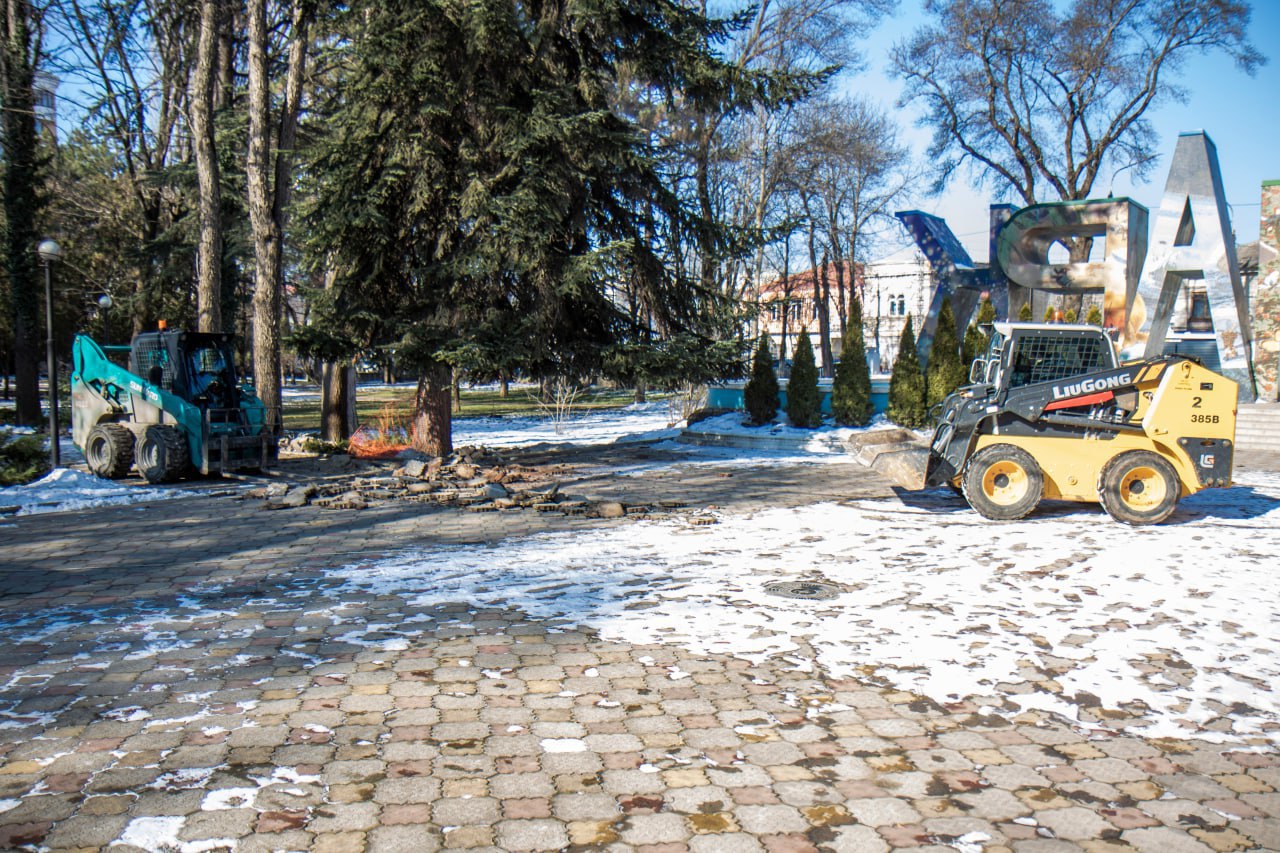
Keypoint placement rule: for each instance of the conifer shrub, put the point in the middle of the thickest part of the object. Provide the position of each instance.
(760, 396)
(1048, 313)
(851, 389)
(975, 340)
(1070, 316)
(804, 403)
(1024, 313)
(23, 458)
(1094, 317)
(906, 385)
(945, 372)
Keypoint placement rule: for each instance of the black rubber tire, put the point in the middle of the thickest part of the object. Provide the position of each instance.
(1139, 487)
(162, 454)
(108, 451)
(1003, 482)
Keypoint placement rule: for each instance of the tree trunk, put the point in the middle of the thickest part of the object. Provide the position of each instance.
(209, 243)
(267, 202)
(456, 391)
(504, 384)
(642, 395)
(337, 401)
(21, 206)
(433, 423)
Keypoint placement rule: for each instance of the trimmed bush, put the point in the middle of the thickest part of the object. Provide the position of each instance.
(945, 372)
(1049, 313)
(851, 388)
(760, 397)
(1024, 313)
(1094, 317)
(906, 385)
(1071, 315)
(23, 458)
(804, 403)
(975, 341)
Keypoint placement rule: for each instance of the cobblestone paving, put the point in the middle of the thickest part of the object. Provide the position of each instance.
(156, 696)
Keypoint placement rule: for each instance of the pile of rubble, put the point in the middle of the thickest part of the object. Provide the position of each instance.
(473, 478)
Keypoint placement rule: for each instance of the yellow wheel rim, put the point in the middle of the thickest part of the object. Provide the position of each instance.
(1142, 488)
(1004, 483)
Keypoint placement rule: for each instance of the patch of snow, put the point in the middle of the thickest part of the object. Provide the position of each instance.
(229, 798)
(937, 601)
(9, 805)
(64, 489)
(563, 744)
(637, 422)
(153, 833)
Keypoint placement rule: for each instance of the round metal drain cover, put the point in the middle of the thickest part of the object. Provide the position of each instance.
(814, 590)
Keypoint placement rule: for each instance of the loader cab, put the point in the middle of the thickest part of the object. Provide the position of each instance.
(1021, 354)
(199, 367)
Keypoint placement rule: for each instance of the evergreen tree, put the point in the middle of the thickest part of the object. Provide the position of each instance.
(976, 340)
(945, 372)
(1048, 313)
(804, 403)
(1024, 313)
(851, 389)
(906, 385)
(760, 396)
(1094, 317)
(1071, 316)
(472, 174)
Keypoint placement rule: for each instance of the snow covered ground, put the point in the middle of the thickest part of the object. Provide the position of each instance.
(66, 489)
(636, 422)
(1065, 611)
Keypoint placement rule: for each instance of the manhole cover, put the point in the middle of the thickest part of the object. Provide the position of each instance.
(803, 589)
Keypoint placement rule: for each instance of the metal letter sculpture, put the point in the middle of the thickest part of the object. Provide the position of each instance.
(1022, 251)
(1266, 294)
(1193, 241)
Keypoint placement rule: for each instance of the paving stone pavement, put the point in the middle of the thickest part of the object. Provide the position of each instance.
(157, 696)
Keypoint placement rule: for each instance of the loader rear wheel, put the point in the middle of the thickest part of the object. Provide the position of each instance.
(108, 451)
(1139, 487)
(163, 455)
(1003, 482)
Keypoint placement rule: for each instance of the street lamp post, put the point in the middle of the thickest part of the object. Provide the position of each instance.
(50, 252)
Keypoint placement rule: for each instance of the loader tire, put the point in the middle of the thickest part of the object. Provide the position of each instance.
(1003, 482)
(108, 451)
(162, 454)
(1139, 487)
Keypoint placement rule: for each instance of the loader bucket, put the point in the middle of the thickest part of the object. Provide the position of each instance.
(896, 454)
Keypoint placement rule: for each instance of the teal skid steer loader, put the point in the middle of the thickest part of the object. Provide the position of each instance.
(179, 408)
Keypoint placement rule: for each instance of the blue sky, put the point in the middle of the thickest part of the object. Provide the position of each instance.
(1240, 113)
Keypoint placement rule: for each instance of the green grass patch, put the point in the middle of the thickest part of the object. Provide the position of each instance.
(396, 404)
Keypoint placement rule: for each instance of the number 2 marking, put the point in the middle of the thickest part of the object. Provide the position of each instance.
(1196, 401)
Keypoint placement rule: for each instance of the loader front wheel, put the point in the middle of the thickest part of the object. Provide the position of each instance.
(1139, 487)
(108, 451)
(1003, 482)
(163, 455)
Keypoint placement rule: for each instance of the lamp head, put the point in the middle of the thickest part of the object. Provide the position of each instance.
(104, 301)
(49, 251)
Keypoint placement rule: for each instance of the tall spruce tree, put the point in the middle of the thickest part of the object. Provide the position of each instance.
(906, 386)
(474, 175)
(760, 396)
(945, 372)
(804, 403)
(22, 202)
(851, 391)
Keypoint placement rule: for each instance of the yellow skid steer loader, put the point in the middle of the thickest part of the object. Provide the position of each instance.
(1051, 413)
